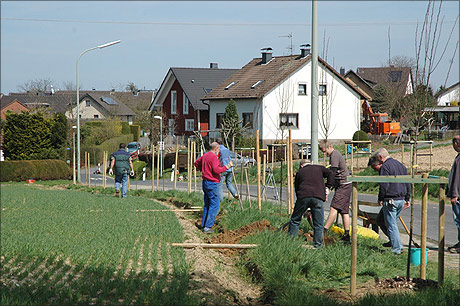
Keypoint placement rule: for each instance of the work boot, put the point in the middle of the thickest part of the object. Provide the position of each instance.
(387, 244)
(117, 193)
(345, 238)
(455, 248)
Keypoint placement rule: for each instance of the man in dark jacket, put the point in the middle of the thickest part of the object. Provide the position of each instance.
(453, 192)
(311, 193)
(121, 161)
(393, 197)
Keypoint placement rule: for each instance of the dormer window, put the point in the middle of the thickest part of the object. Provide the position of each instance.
(230, 85)
(257, 84)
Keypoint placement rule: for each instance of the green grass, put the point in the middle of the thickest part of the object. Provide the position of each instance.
(115, 254)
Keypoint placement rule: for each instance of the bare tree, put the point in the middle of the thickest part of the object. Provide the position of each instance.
(327, 97)
(36, 86)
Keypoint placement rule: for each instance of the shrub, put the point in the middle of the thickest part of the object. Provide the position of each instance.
(21, 170)
(125, 129)
(136, 131)
(111, 145)
(360, 136)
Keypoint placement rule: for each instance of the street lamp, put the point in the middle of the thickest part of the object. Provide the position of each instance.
(73, 153)
(78, 103)
(161, 143)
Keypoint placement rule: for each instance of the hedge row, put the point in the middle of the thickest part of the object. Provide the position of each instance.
(111, 145)
(46, 169)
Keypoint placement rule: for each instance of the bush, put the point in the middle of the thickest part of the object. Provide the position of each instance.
(136, 131)
(111, 145)
(125, 129)
(360, 136)
(21, 170)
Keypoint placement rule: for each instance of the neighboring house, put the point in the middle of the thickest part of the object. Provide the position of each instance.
(92, 106)
(397, 80)
(179, 97)
(449, 96)
(360, 83)
(272, 94)
(12, 105)
(95, 106)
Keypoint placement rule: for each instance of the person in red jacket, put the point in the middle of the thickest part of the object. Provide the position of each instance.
(209, 165)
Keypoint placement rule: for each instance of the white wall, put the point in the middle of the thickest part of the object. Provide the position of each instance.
(345, 119)
(448, 97)
(242, 106)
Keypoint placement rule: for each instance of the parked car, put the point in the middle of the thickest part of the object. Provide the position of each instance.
(133, 149)
(245, 160)
(303, 148)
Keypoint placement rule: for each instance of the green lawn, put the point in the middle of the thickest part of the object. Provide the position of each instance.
(70, 247)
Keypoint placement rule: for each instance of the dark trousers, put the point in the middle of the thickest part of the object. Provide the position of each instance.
(317, 211)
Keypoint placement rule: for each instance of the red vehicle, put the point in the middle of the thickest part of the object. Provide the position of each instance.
(378, 123)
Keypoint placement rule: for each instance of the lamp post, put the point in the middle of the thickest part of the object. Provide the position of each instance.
(78, 103)
(161, 143)
(73, 153)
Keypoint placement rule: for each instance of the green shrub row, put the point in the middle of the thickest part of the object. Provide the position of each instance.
(136, 131)
(21, 170)
(111, 145)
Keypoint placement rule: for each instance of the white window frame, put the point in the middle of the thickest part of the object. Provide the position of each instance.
(298, 89)
(185, 103)
(288, 116)
(324, 92)
(88, 103)
(171, 126)
(173, 102)
(189, 125)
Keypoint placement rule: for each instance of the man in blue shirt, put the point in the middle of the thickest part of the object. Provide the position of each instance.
(227, 176)
(393, 197)
(121, 161)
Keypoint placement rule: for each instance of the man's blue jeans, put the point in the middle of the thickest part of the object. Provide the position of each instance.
(387, 219)
(317, 211)
(456, 211)
(123, 180)
(211, 203)
(226, 177)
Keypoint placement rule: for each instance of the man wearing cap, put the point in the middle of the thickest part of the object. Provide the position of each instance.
(211, 169)
(311, 193)
(121, 161)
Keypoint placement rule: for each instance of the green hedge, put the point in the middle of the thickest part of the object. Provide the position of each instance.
(125, 129)
(22, 170)
(136, 131)
(111, 145)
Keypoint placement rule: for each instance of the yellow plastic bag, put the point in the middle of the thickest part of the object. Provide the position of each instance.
(362, 231)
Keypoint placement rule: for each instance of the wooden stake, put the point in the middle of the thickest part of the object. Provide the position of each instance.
(291, 166)
(263, 176)
(176, 167)
(164, 210)
(153, 168)
(441, 233)
(193, 161)
(86, 168)
(248, 195)
(288, 163)
(189, 167)
(89, 170)
(215, 245)
(104, 167)
(352, 147)
(402, 153)
(158, 168)
(431, 156)
(241, 172)
(354, 239)
(424, 222)
(259, 202)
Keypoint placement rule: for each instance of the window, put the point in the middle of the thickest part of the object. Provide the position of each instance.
(230, 85)
(302, 89)
(96, 116)
(257, 84)
(395, 76)
(88, 103)
(219, 119)
(173, 102)
(171, 126)
(189, 124)
(322, 90)
(289, 120)
(247, 120)
(185, 103)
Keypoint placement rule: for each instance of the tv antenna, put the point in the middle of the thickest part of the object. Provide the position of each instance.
(290, 47)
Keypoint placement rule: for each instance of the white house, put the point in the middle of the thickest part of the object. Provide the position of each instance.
(450, 96)
(272, 94)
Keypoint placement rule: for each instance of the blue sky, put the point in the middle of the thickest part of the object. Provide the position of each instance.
(157, 35)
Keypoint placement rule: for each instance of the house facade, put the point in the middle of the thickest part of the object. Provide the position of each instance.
(179, 98)
(13, 106)
(273, 95)
(450, 96)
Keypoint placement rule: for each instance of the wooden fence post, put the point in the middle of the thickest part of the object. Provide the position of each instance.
(402, 153)
(89, 170)
(259, 202)
(158, 167)
(291, 171)
(153, 168)
(354, 239)
(424, 222)
(176, 166)
(189, 167)
(441, 234)
(288, 181)
(263, 175)
(193, 162)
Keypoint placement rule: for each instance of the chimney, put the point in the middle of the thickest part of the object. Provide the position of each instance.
(305, 50)
(342, 71)
(213, 66)
(266, 55)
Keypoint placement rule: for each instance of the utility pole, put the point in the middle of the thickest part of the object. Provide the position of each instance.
(314, 84)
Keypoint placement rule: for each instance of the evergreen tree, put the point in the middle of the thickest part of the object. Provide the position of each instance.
(231, 124)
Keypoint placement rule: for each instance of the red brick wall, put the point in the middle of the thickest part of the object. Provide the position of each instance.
(14, 107)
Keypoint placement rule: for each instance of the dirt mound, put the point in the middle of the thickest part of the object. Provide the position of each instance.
(230, 236)
(403, 283)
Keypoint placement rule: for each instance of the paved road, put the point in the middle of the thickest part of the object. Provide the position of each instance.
(432, 216)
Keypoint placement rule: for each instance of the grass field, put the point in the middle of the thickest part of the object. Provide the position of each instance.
(69, 247)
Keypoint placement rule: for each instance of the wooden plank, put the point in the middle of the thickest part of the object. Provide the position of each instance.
(397, 179)
(425, 154)
(162, 210)
(441, 233)
(215, 245)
